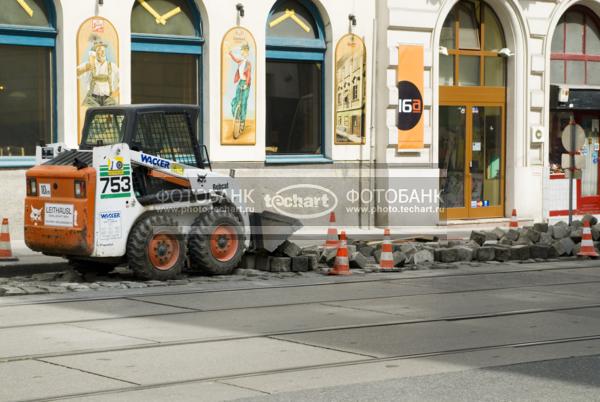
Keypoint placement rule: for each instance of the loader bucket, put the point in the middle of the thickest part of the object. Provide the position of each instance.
(270, 229)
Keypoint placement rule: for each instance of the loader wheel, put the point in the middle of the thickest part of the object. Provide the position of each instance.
(155, 253)
(216, 243)
(88, 266)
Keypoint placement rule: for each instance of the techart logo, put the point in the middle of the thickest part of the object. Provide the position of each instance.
(302, 201)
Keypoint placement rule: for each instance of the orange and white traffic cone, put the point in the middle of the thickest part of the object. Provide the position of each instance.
(5, 249)
(342, 263)
(587, 243)
(514, 223)
(332, 235)
(386, 261)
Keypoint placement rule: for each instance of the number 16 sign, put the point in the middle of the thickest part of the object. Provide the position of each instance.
(410, 99)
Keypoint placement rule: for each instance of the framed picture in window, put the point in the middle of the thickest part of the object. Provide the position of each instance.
(238, 88)
(350, 90)
(97, 66)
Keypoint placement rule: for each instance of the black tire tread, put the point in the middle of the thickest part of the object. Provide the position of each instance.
(201, 259)
(137, 247)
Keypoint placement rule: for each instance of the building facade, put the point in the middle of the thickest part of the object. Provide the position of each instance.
(502, 80)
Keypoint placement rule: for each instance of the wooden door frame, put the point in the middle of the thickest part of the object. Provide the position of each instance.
(470, 97)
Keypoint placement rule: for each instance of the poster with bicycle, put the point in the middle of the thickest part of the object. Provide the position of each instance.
(238, 88)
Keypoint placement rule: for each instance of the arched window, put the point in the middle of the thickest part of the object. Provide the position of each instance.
(575, 57)
(166, 44)
(472, 37)
(295, 74)
(27, 100)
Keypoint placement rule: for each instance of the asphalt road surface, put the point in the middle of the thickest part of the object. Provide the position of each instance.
(497, 333)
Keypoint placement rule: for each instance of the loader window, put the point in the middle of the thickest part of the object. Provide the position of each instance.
(104, 128)
(167, 135)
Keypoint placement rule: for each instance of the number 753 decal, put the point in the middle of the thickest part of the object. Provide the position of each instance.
(116, 184)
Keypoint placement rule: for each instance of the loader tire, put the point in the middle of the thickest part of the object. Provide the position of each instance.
(216, 243)
(88, 266)
(158, 255)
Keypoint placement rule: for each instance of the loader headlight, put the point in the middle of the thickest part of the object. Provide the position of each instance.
(80, 189)
(31, 187)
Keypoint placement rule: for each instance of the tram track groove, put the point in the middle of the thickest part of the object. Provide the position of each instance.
(343, 281)
(224, 379)
(326, 302)
(274, 334)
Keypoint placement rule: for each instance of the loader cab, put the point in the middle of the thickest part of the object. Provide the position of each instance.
(166, 131)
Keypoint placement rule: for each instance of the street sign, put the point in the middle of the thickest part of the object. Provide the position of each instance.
(579, 138)
(579, 161)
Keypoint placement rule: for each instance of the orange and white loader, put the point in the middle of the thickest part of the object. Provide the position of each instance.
(140, 190)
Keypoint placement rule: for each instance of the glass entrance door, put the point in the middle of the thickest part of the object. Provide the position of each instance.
(471, 160)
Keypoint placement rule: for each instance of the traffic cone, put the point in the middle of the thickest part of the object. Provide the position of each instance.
(386, 261)
(332, 235)
(587, 243)
(514, 223)
(342, 264)
(5, 249)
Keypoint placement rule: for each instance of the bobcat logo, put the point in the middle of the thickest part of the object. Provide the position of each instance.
(36, 215)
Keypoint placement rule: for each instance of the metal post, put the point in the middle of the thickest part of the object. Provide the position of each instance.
(572, 167)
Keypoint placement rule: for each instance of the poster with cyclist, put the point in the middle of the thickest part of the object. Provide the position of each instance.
(238, 94)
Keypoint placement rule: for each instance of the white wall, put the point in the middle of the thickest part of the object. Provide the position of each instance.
(528, 26)
(217, 18)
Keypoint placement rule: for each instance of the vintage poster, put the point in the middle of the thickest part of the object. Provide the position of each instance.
(409, 76)
(97, 66)
(238, 88)
(351, 97)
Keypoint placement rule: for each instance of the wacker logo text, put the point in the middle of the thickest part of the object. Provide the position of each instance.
(161, 163)
(110, 215)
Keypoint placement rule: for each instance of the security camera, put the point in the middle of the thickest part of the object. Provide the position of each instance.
(505, 52)
(444, 50)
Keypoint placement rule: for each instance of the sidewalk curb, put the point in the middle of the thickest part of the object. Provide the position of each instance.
(12, 270)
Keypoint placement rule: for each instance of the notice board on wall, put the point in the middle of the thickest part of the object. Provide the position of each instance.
(409, 78)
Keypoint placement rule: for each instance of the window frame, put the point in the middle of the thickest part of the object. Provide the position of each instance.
(35, 36)
(457, 52)
(588, 15)
(178, 44)
(300, 50)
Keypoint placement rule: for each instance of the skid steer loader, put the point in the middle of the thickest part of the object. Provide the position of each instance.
(140, 190)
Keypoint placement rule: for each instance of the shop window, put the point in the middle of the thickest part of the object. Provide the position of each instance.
(166, 52)
(471, 24)
(295, 74)
(26, 79)
(576, 48)
(178, 82)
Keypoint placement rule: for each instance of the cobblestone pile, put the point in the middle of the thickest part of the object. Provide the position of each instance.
(538, 242)
(70, 281)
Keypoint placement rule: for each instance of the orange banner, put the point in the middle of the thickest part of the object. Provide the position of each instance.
(409, 77)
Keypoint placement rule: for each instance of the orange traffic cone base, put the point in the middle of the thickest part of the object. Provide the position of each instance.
(342, 264)
(591, 254)
(5, 249)
(386, 260)
(335, 271)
